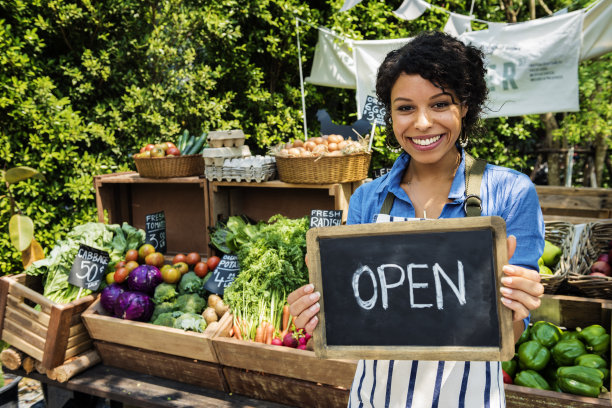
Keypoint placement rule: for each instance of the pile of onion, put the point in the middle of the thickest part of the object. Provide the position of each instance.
(328, 145)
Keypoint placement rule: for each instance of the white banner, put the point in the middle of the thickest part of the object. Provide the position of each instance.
(333, 63)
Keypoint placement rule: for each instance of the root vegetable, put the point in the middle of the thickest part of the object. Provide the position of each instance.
(209, 315)
(221, 308)
(213, 300)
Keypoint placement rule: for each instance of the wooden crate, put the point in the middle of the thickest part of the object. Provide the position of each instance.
(129, 197)
(47, 331)
(285, 390)
(575, 204)
(279, 360)
(569, 312)
(260, 201)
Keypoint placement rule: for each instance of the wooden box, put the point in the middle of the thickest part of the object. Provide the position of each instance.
(260, 201)
(575, 204)
(568, 312)
(47, 331)
(280, 361)
(130, 198)
(157, 350)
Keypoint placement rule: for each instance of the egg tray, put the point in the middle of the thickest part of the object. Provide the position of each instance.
(257, 174)
(226, 138)
(215, 156)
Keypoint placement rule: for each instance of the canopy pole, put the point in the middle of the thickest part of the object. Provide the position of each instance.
(297, 31)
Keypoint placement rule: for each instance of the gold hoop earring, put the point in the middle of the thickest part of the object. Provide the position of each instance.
(463, 137)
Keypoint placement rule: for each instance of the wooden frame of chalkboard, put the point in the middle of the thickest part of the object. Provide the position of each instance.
(384, 288)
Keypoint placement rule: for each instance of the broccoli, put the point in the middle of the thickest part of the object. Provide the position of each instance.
(190, 303)
(164, 307)
(190, 321)
(190, 283)
(167, 319)
(164, 292)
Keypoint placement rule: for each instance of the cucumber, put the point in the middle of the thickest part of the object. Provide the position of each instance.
(188, 145)
(183, 140)
(197, 146)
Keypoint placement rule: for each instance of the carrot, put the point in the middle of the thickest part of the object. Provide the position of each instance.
(237, 331)
(231, 332)
(269, 334)
(285, 317)
(259, 334)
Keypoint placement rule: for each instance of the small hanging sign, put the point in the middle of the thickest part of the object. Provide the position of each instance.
(374, 111)
(88, 267)
(155, 229)
(325, 218)
(223, 275)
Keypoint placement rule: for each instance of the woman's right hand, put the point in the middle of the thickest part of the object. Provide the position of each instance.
(303, 306)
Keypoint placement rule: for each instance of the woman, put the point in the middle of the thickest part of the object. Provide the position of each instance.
(433, 90)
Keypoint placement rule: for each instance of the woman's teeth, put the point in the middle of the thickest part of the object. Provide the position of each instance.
(426, 142)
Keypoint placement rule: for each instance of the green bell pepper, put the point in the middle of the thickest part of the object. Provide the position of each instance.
(566, 351)
(533, 355)
(510, 367)
(580, 380)
(596, 338)
(531, 379)
(524, 337)
(570, 334)
(593, 361)
(545, 333)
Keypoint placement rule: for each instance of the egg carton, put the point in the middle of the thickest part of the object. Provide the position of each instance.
(257, 169)
(215, 156)
(226, 138)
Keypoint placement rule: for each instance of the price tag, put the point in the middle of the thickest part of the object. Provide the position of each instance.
(374, 111)
(88, 267)
(223, 275)
(155, 231)
(325, 218)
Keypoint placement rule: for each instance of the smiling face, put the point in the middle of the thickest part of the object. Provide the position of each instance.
(426, 120)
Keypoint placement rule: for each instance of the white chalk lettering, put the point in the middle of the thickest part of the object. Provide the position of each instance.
(383, 282)
(366, 304)
(459, 292)
(416, 286)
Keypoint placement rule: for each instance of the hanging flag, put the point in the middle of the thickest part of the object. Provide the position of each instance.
(597, 30)
(495, 26)
(349, 4)
(333, 63)
(458, 24)
(412, 9)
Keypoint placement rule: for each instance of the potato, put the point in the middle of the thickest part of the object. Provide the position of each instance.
(221, 308)
(213, 300)
(210, 315)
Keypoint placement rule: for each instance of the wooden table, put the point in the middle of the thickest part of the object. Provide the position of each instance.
(141, 390)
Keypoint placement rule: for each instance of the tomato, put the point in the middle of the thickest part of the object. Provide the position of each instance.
(110, 278)
(182, 267)
(193, 258)
(171, 275)
(212, 262)
(131, 255)
(120, 275)
(149, 147)
(120, 264)
(179, 258)
(201, 269)
(155, 259)
(131, 265)
(145, 250)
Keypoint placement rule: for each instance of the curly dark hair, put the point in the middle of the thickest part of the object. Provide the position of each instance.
(445, 61)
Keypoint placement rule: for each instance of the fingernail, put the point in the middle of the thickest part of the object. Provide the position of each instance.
(505, 291)
(309, 288)
(315, 307)
(509, 269)
(315, 296)
(506, 280)
(506, 301)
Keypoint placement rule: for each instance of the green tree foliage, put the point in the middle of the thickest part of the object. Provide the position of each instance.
(84, 84)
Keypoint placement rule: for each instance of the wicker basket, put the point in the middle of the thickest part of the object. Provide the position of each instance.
(164, 167)
(592, 243)
(561, 234)
(324, 169)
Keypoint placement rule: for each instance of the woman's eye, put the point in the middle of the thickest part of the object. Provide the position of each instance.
(440, 105)
(404, 108)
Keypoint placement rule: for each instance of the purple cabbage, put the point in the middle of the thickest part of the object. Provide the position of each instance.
(109, 296)
(134, 306)
(145, 279)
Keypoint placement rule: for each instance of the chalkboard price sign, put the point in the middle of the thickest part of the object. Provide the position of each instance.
(224, 274)
(373, 111)
(325, 218)
(416, 290)
(88, 267)
(155, 231)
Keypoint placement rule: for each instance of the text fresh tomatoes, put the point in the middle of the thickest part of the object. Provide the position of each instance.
(201, 269)
(212, 262)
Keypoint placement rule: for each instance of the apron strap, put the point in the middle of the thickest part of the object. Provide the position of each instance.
(387, 204)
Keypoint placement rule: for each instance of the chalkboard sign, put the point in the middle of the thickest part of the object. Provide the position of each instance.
(416, 290)
(88, 267)
(155, 231)
(374, 111)
(376, 173)
(224, 274)
(325, 218)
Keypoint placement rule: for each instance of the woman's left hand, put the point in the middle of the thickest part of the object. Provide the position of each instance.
(521, 289)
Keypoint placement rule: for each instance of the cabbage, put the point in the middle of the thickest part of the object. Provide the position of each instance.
(134, 306)
(145, 279)
(109, 296)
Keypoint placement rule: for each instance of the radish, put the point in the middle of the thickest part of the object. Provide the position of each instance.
(290, 341)
(277, 342)
(302, 341)
(301, 347)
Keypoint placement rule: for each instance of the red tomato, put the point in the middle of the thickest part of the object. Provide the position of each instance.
(120, 264)
(212, 262)
(131, 255)
(179, 258)
(193, 258)
(120, 275)
(201, 269)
